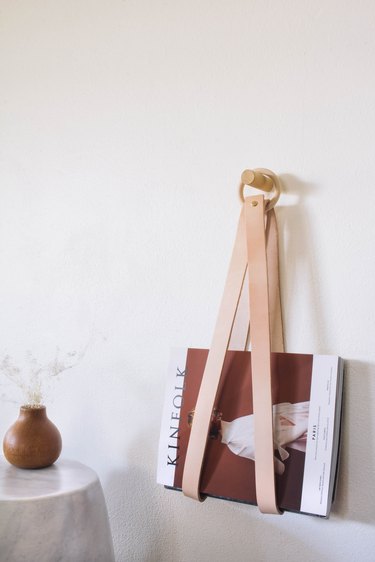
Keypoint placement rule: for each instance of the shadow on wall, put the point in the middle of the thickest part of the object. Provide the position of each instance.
(299, 261)
(222, 531)
(152, 524)
(143, 529)
(355, 493)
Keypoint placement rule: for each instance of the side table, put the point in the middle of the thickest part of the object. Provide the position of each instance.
(55, 514)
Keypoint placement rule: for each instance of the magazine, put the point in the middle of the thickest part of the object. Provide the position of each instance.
(306, 397)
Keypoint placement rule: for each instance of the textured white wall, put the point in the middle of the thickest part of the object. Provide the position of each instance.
(124, 128)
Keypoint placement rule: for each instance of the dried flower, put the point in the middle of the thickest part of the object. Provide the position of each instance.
(34, 379)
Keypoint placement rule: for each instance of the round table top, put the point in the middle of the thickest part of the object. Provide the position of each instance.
(63, 477)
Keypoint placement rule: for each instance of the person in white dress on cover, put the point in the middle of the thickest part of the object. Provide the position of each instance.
(290, 422)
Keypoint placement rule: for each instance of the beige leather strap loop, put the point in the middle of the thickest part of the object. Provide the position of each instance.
(272, 250)
(215, 360)
(251, 242)
(260, 354)
(240, 335)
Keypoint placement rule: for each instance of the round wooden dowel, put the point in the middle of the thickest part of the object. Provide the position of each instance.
(257, 179)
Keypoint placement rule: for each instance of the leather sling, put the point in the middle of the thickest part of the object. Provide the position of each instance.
(255, 250)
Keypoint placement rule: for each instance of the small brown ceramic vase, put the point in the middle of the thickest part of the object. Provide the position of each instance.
(33, 441)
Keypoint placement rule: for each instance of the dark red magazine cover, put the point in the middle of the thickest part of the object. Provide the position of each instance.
(306, 394)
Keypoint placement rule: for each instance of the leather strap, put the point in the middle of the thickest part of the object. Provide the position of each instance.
(260, 354)
(240, 336)
(215, 360)
(231, 309)
(272, 250)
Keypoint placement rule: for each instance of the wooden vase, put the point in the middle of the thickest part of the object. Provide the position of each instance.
(33, 441)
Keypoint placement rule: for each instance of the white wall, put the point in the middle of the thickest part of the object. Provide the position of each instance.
(124, 128)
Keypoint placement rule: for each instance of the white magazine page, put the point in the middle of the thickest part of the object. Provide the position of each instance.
(168, 442)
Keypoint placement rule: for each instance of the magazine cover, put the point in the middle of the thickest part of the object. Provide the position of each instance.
(306, 396)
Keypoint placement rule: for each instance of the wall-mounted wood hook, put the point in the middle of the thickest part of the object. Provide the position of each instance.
(264, 179)
(257, 179)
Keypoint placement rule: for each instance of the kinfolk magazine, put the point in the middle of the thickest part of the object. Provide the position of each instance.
(306, 397)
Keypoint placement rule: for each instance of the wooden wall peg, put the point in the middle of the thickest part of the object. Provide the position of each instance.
(257, 179)
(264, 179)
